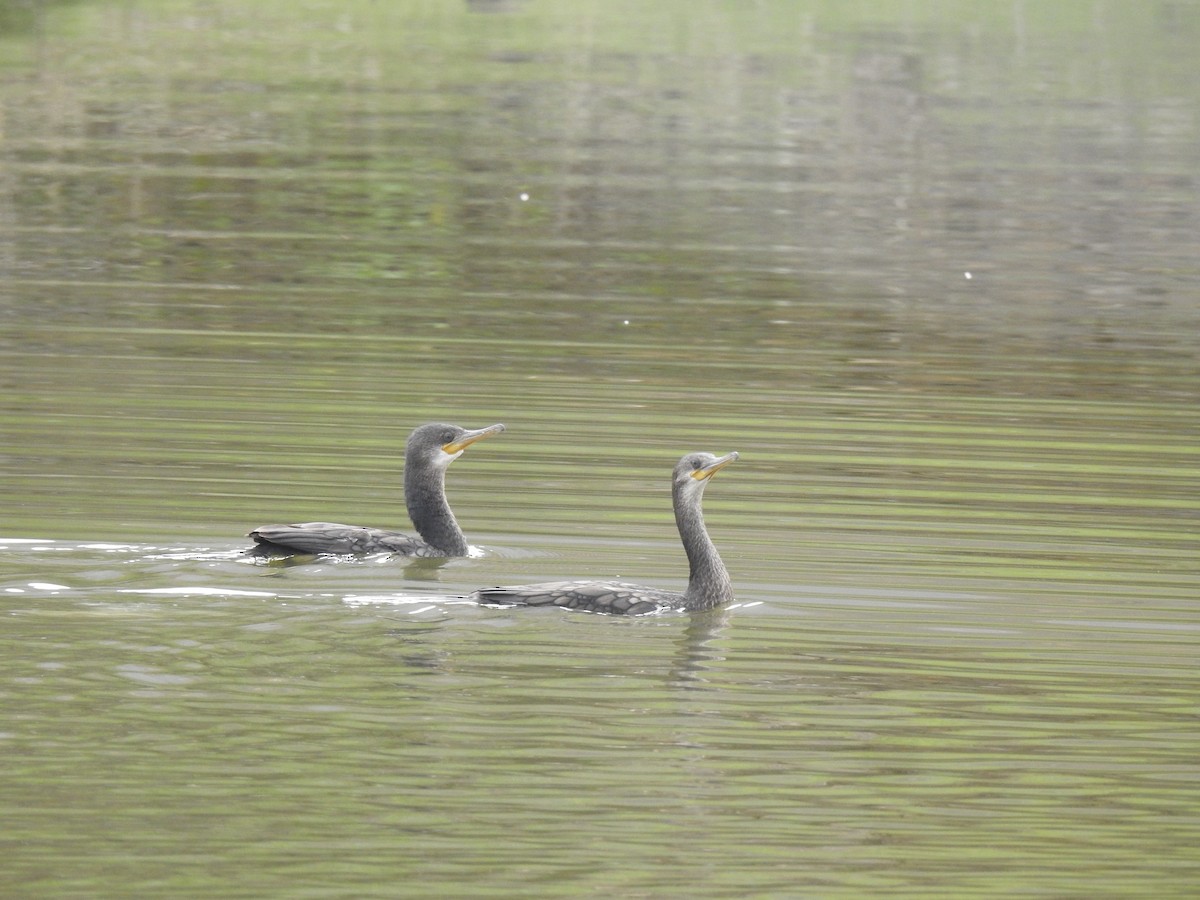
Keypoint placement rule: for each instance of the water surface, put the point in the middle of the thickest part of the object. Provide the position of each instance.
(930, 270)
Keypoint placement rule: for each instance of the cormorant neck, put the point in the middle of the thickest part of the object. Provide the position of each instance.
(708, 581)
(425, 497)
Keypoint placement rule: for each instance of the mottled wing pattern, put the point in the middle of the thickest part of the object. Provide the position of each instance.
(610, 597)
(332, 537)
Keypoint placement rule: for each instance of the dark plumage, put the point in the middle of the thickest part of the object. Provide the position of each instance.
(430, 450)
(708, 582)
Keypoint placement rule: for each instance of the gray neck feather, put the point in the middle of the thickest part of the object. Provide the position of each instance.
(708, 583)
(425, 496)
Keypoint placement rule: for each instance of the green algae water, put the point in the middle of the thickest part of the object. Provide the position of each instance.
(929, 269)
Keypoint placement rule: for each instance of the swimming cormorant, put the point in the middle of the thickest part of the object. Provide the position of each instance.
(429, 452)
(708, 582)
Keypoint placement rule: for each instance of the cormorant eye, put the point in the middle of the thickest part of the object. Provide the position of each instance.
(447, 437)
(697, 464)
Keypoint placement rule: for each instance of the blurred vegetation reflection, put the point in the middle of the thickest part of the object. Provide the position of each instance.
(929, 267)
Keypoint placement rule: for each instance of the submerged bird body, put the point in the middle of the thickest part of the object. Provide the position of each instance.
(429, 452)
(708, 581)
(614, 597)
(333, 537)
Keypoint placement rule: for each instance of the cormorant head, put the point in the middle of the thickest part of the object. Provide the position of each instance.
(693, 472)
(439, 444)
